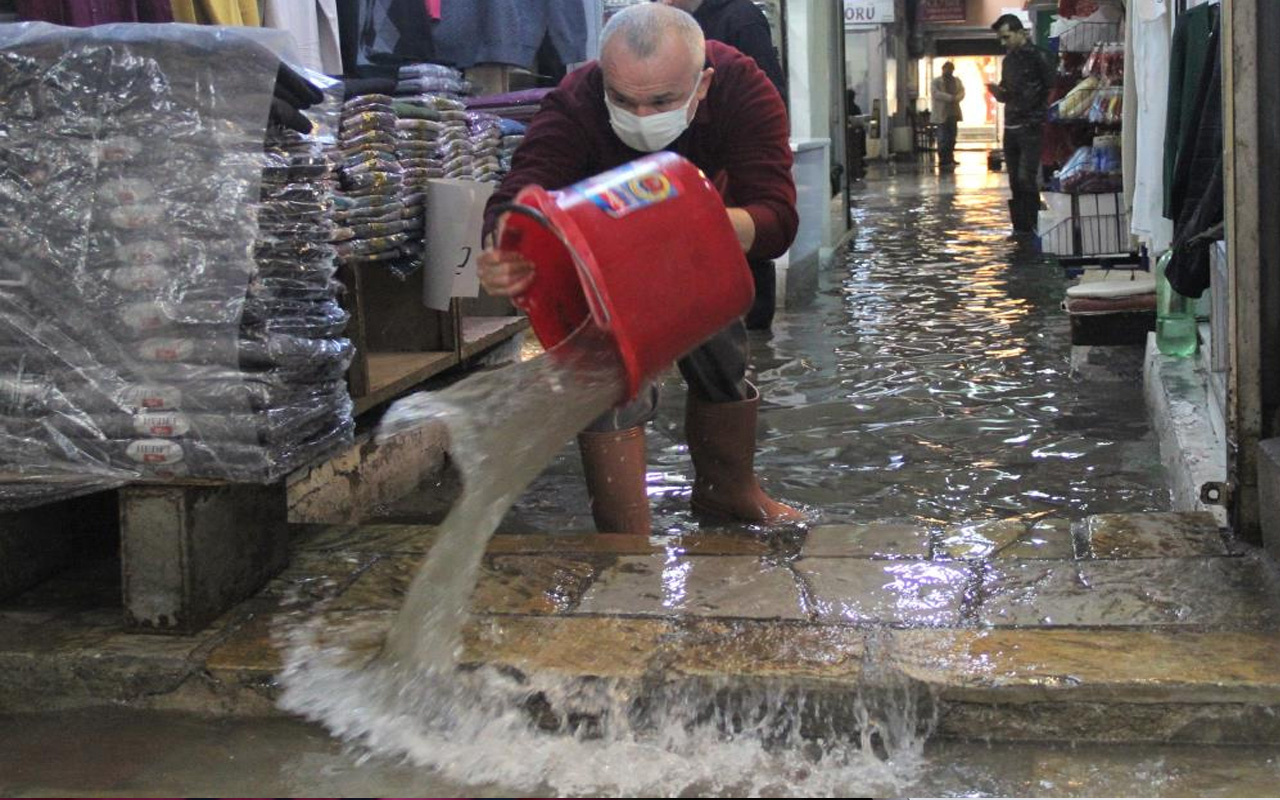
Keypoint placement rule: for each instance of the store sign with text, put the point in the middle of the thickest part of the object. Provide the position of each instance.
(942, 10)
(861, 13)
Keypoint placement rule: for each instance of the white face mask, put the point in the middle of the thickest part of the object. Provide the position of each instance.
(654, 132)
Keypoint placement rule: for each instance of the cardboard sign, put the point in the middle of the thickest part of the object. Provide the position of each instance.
(455, 219)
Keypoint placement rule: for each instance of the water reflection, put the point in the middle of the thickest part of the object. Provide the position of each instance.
(930, 378)
(927, 381)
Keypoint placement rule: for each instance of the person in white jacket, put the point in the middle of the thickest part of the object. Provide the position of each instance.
(948, 91)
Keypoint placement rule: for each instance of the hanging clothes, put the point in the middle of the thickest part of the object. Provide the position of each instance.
(433, 9)
(594, 10)
(391, 33)
(474, 32)
(83, 13)
(1187, 63)
(1196, 192)
(349, 36)
(314, 25)
(217, 12)
(1149, 78)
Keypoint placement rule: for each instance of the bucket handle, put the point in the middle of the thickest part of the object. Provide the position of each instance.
(541, 218)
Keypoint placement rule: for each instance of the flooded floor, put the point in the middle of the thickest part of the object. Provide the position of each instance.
(130, 754)
(927, 380)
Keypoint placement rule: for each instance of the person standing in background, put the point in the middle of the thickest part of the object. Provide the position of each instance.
(1026, 76)
(948, 91)
(855, 137)
(743, 26)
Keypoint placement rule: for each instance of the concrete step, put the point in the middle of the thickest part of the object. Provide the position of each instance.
(1128, 627)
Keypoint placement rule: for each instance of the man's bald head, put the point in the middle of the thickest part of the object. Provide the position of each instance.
(641, 31)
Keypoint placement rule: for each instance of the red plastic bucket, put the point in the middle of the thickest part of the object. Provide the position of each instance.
(646, 251)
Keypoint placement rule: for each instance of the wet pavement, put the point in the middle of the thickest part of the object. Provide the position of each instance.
(989, 539)
(929, 380)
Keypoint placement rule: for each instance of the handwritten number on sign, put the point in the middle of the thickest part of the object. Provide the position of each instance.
(466, 258)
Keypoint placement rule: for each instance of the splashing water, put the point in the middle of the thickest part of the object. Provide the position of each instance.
(504, 426)
(396, 686)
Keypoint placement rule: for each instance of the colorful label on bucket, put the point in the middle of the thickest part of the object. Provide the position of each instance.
(626, 190)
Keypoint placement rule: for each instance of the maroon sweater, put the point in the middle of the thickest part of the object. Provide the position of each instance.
(738, 137)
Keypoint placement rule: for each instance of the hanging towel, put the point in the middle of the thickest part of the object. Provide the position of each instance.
(314, 25)
(433, 9)
(217, 12)
(82, 13)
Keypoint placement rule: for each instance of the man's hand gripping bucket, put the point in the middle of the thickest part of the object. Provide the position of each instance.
(645, 252)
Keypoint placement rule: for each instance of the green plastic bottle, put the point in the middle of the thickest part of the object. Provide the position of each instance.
(1176, 333)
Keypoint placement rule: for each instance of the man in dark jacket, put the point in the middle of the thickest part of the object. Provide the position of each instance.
(659, 85)
(740, 24)
(1026, 77)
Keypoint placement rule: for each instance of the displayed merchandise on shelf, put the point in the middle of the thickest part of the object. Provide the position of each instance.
(1085, 214)
(390, 146)
(519, 106)
(1081, 27)
(1092, 169)
(167, 295)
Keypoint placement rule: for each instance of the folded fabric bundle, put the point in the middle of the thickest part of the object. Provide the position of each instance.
(1110, 305)
(409, 71)
(433, 85)
(366, 86)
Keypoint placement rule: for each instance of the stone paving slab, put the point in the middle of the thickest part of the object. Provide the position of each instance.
(631, 648)
(878, 592)
(978, 541)
(630, 545)
(869, 540)
(1225, 592)
(720, 586)
(1132, 645)
(799, 652)
(249, 649)
(319, 575)
(381, 586)
(532, 584)
(384, 539)
(1045, 539)
(597, 647)
(1020, 666)
(1171, 535)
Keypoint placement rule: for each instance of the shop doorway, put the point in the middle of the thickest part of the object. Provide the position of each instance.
(983, 116)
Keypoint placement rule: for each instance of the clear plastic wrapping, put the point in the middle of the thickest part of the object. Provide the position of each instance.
(167, 293)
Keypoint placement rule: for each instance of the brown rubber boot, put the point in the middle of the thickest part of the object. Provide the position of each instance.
(722, 443)
(614, 463)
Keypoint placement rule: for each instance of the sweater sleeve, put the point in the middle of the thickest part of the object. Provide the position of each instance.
(758, 160)
(554, 154)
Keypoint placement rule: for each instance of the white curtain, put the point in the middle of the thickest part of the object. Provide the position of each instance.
(1149, 68)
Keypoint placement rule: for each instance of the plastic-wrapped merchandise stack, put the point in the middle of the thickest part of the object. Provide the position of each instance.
(374, 223)
(149, 327)
(485, 134)
(291, 327)
(433, 122)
